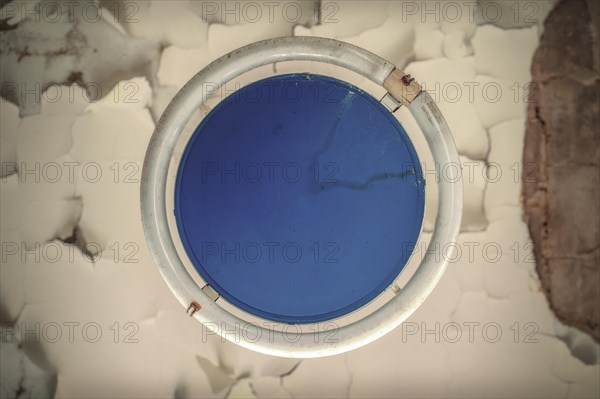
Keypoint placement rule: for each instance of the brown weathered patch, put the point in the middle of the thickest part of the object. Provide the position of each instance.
(561, 187)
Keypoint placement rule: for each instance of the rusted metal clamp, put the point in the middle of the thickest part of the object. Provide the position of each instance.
(402, 87)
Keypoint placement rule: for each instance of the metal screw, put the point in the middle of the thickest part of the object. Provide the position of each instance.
(407, 80)
(193, 308)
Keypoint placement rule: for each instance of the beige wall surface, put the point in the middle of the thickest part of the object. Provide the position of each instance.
(83, 86)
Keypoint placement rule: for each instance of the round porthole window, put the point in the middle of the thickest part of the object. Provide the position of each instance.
(297, 200)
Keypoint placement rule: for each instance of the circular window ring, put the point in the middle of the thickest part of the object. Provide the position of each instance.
(155, 217)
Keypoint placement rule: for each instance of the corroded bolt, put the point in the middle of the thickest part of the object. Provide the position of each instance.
(407, 80)
(193, 308)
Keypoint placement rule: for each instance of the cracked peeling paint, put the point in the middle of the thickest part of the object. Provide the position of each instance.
(172, 344)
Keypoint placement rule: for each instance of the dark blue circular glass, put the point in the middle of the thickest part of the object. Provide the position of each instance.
(299, 198)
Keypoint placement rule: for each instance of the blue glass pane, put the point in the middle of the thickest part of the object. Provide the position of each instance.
(299, 198)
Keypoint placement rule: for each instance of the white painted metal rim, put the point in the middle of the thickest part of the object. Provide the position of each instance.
(154, 213)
